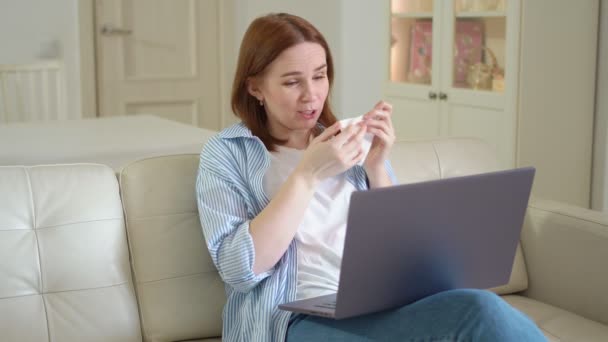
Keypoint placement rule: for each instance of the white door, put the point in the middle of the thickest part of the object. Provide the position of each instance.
(159, 57)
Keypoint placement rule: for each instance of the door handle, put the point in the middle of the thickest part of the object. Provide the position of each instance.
(432, 95)
(109, 30)
(443, 96)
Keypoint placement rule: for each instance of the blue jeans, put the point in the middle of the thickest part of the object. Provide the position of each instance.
(456, 315)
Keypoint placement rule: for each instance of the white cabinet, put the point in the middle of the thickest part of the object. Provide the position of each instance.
(534, 105)
(453, 70)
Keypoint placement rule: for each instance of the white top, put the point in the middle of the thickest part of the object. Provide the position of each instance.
(320, 237)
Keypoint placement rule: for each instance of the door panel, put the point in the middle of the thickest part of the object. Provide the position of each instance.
(415, 119)
(159, 57)
(162, 51)
(487, 124)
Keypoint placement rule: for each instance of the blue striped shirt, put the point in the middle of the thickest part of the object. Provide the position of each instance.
(229, 195)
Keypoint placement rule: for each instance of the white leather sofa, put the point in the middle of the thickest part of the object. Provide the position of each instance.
(82, 259)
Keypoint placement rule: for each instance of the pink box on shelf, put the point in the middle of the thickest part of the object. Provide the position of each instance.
(468, 44)
(421, 52)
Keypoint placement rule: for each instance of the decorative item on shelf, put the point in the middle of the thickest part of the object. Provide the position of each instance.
(425, 5)
(420, 51)
(485, 5)
(467, 48)
(498, 83)
(411, 6)
(480, 75)
(464, 5)
(501, 5)
(479, 5)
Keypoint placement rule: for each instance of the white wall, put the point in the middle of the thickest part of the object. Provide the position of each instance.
(600, 149)
(364, 36)
(562, 154)
(351, 29)
(35, 30)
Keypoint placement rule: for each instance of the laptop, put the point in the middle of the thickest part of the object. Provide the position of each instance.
(407, 242)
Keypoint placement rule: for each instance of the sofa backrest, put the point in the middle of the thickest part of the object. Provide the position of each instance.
(180, 293)
(422, 160)
(64, 262)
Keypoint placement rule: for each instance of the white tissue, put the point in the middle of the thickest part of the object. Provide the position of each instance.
(367, 138)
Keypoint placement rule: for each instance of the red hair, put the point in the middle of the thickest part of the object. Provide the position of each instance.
(266, 38)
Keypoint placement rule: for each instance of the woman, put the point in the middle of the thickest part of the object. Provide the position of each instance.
(273, 194)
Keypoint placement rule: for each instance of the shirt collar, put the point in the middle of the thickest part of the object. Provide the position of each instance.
(239, 130)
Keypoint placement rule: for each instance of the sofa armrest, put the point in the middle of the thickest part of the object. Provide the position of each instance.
(566, 250)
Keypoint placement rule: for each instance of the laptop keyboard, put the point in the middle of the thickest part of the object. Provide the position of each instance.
(327, 305)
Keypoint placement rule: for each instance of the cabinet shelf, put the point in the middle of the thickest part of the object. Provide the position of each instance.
(413, 15)
(490, 14)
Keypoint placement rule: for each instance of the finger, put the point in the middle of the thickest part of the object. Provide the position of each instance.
(384, 125)
(356, 141)
(388, 131)
(328, 132)
(380, 115)
(346, 134)
(381, 134)
(358, 156)
(383, 105)
(376, 114)
(352, 153)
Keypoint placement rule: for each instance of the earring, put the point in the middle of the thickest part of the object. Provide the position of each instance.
(261, 103)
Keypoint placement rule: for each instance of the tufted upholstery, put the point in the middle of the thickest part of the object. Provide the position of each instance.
(64, 261)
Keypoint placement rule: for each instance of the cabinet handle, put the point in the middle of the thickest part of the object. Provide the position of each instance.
(432, 95)
(443, 96)
(109, 30)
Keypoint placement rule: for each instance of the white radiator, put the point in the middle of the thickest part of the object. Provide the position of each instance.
(32, 92)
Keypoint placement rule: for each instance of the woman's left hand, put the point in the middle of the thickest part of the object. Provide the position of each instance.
(379, 123)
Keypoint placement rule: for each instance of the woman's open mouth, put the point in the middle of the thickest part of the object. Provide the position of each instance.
(308, 114)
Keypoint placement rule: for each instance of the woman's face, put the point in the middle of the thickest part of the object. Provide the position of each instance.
(294, 89)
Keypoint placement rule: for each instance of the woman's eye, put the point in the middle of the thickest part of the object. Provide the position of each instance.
(290, 83)
(319, 77)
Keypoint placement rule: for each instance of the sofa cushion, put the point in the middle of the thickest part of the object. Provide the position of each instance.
(566, 252)
(180, 293)
(558, 324)
(64, 270)
(418, 161)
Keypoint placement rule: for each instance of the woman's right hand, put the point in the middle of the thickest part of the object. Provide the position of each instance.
(327, 155)
(330, 154)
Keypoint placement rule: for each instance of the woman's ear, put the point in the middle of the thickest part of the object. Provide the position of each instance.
(253, 89)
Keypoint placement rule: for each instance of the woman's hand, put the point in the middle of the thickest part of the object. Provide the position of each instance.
(379, 123)
(329, 154)
(273, 229)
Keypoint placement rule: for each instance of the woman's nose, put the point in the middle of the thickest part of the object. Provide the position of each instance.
(308, 92)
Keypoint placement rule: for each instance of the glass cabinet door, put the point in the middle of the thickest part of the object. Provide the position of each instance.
(479, 45)
(411, 53)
